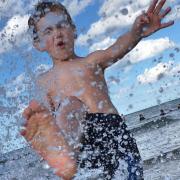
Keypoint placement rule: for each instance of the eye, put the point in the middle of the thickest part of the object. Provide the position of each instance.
(47, 31)
(59, 25)
(62, 24)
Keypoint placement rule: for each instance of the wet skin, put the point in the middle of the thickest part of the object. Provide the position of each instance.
(42, 131)
(79, 79)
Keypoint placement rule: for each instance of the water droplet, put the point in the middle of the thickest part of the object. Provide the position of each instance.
(171, 55)
(124, 11)
(45, 165)
(161, 90)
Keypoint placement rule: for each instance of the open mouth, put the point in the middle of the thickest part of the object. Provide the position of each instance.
(61, 44)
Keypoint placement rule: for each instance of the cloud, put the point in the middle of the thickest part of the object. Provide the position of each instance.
(102, 45)
(148, 49)
(16, 86)
(23, 7)
(24, 82)
(12, 7)
(105, 27)
(42, 68)
(14, 33)
(175, 13)
(117, 15)
(159, 71)
(114, 16)
(175, 71)
(110, 6)
(75, 7)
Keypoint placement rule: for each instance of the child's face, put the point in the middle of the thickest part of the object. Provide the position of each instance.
(56, 35)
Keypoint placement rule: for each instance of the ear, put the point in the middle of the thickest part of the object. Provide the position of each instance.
(38, 46)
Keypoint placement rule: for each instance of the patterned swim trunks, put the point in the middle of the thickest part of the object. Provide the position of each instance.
(106, 143)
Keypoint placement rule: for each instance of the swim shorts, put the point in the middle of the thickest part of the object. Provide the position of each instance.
(106, 143)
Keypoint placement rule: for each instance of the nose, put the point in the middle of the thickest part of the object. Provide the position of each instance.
(57, 33)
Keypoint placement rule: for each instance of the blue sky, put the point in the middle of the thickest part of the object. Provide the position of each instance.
(147, 76)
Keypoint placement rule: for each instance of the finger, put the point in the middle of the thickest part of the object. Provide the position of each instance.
(165, 12)
(27, 113)
(31, 129)
(36, 106)
(23, 132)
(152, 6)
(159, 6)
(164, 25)
(144, 19)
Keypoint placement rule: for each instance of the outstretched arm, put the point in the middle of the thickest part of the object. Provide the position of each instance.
(144, 25)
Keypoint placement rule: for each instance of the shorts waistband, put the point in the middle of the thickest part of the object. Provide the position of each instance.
(103, 118)
(102, 114)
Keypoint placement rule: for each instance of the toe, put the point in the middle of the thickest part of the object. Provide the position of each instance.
(36, 106)
(27, 113)
(31, 128)
(23, 132)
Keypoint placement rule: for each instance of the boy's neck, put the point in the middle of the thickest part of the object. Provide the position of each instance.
(61, 61)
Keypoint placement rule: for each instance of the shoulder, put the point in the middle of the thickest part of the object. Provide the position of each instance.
(42, 79)
(99, 57)
(94, 56)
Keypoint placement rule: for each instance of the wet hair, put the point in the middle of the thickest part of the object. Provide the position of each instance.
(41, 9)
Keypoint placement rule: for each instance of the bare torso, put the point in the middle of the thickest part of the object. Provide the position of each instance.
(77, 78)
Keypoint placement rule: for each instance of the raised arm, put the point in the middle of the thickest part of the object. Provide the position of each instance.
(144, 25)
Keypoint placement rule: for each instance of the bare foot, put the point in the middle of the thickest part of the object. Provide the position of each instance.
(46, 138)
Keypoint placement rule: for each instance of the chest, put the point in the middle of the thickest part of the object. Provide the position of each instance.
(72, 80)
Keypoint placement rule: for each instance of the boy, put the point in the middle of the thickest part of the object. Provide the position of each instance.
(81, 128)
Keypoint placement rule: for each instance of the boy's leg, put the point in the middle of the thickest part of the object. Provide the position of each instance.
(46, 138)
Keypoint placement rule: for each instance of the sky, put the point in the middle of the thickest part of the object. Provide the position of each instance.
(149, 75)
